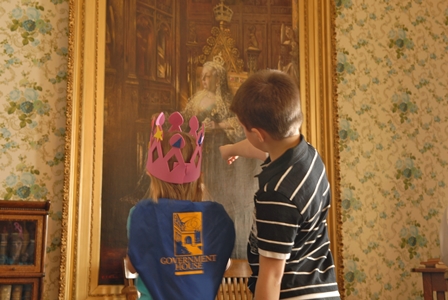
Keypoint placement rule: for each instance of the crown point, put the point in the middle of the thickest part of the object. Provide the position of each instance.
(194, 125)
(176, 121)
(160, 119)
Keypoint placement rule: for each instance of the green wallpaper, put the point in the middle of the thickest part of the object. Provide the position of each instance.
(33, 59)
(393, 106)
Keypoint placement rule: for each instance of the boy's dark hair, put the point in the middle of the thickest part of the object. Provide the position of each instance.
(269, 100)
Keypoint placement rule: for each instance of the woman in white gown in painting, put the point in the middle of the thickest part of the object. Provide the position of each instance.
(211, 104)
(233, 186)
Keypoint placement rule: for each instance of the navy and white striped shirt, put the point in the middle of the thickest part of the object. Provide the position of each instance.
(291, 208)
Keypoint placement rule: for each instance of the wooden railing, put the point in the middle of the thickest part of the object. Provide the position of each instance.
(434, 275)
(233, 286)
(234, 283)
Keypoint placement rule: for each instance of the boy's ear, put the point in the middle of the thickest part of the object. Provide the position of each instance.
(259, 133)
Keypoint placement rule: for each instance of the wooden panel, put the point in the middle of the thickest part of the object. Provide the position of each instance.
(434, 279)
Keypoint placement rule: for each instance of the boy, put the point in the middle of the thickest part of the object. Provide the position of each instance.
(288, 248)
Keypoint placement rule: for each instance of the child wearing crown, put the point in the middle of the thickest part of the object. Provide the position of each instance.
(178, 244)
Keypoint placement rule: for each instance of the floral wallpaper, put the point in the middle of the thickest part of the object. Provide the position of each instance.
(392, 66)
(33, 62)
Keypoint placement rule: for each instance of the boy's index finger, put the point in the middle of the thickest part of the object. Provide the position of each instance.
(231, 159)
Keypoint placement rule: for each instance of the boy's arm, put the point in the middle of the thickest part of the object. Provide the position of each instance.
(242, 148)
(269, 278)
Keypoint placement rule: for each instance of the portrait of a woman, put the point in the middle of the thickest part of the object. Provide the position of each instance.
(211, 106)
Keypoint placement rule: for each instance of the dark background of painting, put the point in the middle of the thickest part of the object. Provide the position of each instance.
(148, 47)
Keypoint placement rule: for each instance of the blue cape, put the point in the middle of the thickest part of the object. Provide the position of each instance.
(180, 248)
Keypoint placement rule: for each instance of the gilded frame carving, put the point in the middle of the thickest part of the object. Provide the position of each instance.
(82, 202)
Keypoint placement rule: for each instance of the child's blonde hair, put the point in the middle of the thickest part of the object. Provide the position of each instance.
(192, 191)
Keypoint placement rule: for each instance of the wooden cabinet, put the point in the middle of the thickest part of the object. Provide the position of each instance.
(23, 231)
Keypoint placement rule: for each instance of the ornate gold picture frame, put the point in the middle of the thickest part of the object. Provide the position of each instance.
(81, 222)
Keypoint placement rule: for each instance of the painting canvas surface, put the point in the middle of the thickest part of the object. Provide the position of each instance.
(158, 56)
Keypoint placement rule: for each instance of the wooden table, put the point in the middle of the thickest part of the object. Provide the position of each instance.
(433, 274)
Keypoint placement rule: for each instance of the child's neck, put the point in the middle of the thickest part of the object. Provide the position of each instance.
(278, 147)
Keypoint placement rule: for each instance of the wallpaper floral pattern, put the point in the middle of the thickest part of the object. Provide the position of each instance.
(392, 66)
(33, 63)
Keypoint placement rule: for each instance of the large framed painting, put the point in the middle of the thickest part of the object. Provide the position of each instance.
(132, 59)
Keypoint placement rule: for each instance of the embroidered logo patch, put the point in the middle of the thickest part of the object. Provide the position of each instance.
(188, 243)
(187, 233)
(189, 257)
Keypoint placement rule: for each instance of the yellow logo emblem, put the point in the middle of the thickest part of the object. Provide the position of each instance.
(188, 247)
(189, 255)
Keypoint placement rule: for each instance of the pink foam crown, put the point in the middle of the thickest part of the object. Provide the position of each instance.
(182, 171)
